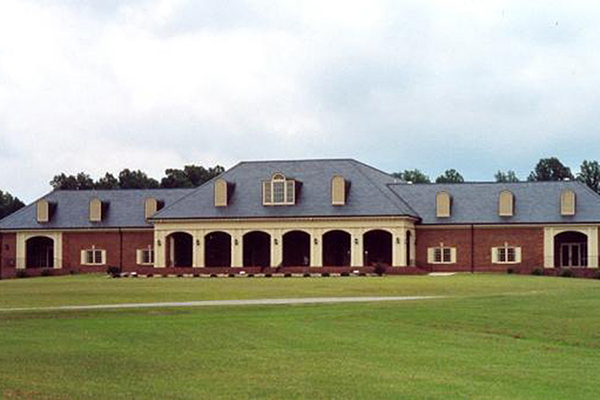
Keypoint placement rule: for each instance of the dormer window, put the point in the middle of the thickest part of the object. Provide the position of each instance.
(221, 193)
(506, 202)
(443, 205)
(338, 190)
(152, 206)
(279, 191)
(43, 211)
(95, 210)
(567, 202)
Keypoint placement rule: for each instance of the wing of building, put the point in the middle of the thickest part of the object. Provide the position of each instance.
(306, 215)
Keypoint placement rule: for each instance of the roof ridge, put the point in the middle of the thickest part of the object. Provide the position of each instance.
(380, 190)
(293, 160)
(222, 174)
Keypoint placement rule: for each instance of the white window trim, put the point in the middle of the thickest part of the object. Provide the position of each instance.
(84, 256)
(496, 254)
(140, 256)
(287, 200)
(431, 254)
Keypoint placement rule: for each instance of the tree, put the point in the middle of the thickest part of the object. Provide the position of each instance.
(412, 175)
(9, 204)
(81, 181)
(190, 176)
(107, 182)
(550, 169)
(508, 176)
(589, 173)
(136, 180)
(450, 176)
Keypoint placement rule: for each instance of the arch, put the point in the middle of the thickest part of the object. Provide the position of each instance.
(571, 249)
(443, 203)
(257, 249)
(296, 248)
(336, 248)
(217, 249)
(506, 201)
(39, 252)
(180, 249)
(377, 247)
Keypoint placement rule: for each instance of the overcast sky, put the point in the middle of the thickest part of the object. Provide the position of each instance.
(477, 86)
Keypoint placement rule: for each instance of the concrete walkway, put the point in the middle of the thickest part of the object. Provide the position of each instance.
(208, 303)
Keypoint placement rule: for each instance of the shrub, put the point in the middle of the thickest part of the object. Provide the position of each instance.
(567, 273)
(74, 271)
(115, 272)
(380, 269)
(306, 275)
(196, 275)
(537, 271)
(250, 275)
(231, 275)
(268, 275)
(213, 275)
(597, 275)
(46, 272)
(149, 276)
(345, 274)
(21, 273)
(510, 270)
(325, 274)
(287, 275)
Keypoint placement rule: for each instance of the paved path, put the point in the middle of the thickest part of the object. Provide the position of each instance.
(312, 300)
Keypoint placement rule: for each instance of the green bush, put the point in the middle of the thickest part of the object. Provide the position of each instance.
(325, 274)
(380, 269)
(567, 273)
(115, 272)
(537, 271)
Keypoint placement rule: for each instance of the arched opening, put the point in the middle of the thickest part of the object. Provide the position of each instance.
(377, 247)
(336, 249)
(180, 249)
(257, 249)
(217, 249)
(296, 249)
(570, 249)
(39, 252)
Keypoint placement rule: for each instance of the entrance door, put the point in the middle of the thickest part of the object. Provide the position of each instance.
(573, 254)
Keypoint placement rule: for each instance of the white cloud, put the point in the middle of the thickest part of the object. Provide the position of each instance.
(476, 86)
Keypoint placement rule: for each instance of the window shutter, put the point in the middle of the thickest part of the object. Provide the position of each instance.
(291, 192)
(267, 192)
(138, 257)
(103, 252)
(517, 254)
(430, 255)
(83, 257)
(494, 255)
(453, 255)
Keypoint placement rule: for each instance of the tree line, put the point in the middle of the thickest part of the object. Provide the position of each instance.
(547, 169)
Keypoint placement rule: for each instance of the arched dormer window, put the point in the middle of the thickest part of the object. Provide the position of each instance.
(95, 210)
(443, 205)
(568, 202)
(338, 190)
(506, 202)
(279, 191)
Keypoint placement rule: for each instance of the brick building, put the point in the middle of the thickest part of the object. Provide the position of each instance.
(308, 215)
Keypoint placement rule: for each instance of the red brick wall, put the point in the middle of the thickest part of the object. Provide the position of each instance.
(8, 254)
(531, 241)
(74, 242)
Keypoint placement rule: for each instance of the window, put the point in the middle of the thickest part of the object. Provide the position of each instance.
(145, 256)
(443, 205)
(506, 202)
(279, 191)
(506, 255)
(567, 202)
(441, 255)
(93, 256)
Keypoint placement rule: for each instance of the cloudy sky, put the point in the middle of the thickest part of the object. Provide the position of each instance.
(473, 85)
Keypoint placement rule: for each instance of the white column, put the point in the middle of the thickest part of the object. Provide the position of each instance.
(413, 248)
(159, 249)
(237, 252)
(593, 247)
(356, 251)
(276, 247)
(402, 248)
(199, 249)
(396, 248)
(548, 247)
(316, 248)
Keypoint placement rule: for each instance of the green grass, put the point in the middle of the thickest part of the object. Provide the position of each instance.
(499, 336)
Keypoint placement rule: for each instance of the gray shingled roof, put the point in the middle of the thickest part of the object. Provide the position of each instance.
(372, 193)
(368, 194)
(477, 203)
(126, 209)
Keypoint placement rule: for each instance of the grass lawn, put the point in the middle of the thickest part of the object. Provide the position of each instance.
(497, 336)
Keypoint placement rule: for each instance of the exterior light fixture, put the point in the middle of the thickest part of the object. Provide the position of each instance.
(276, 242)
(159, 242)
(197, 242)
(355, 240)
(397, 240)
(236, 242)
(316, 241)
